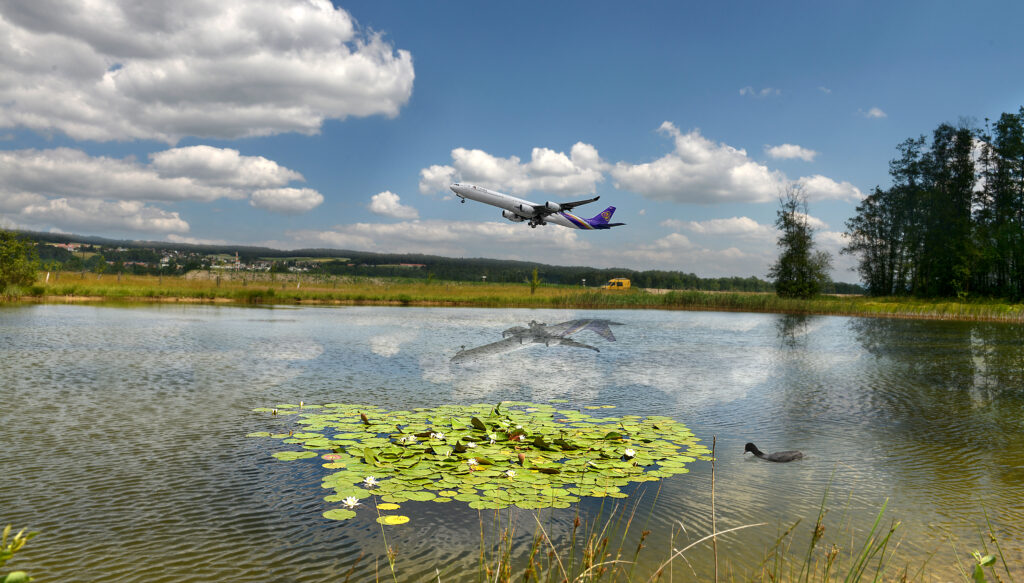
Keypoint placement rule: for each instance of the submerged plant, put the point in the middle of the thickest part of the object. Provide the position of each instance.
(523, 454)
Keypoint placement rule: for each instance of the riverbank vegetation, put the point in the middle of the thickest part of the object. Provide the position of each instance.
(74, 253)
(299, 289)
(952, 223)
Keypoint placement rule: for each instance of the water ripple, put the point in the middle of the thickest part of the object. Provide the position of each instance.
(124, 432)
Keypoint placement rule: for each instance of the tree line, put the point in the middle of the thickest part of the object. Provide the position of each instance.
(142, 257)
(952, 222)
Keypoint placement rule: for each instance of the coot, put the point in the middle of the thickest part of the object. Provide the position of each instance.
(779, 456)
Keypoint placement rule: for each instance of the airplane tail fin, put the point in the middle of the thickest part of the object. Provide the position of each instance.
(601, 220)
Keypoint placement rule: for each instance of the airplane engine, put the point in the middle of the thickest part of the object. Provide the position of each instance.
(553, 206)
(523, 210)
(512, 216)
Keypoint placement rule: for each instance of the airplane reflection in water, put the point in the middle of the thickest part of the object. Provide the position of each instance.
(519, 337)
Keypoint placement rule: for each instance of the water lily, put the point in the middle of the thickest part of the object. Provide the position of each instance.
(519, 426)
(438, 435)
(370, 481)
(510, 473)
(493, 437)
(629, 452)
(472, 462)
(470, 444)
(350, 502)
(410, 439)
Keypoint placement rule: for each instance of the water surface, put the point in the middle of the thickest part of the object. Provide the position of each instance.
(123, 430)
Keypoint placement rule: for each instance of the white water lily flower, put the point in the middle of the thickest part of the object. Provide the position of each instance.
(472, 462)
(446, 452)
(470, 444)
(350, 502)
(411, 439)
(370, 481)
(438, 435)
(511, 473)
(519, 426)
(629, 452)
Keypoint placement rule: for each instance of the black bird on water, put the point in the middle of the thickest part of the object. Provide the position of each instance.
(778, 456)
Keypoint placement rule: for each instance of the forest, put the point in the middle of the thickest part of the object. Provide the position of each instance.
(952, 222)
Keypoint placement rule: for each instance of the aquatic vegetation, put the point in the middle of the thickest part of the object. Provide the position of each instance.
(9, 546)
(514, 454)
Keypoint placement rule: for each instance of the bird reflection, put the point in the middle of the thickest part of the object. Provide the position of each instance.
(518, 337)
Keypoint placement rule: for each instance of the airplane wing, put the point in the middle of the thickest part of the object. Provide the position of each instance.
(544, 209)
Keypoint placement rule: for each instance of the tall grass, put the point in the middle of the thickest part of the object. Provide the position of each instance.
(607, 549)
(295, 289)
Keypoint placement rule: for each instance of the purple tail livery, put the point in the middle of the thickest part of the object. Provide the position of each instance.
(601, 220)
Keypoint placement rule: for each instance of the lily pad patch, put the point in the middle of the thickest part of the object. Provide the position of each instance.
(513, 454)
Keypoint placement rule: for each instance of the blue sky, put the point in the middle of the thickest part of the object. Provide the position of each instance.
(305, 124)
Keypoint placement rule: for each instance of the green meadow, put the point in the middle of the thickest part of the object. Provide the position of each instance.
(303, 289)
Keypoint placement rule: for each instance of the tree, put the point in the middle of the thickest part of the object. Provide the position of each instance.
(19, 261)
(800, 271)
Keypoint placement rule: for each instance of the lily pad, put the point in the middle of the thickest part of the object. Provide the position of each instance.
(339, 514)
(392, 519)
(287, 456)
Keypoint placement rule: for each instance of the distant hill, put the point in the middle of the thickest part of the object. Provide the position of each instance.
(409, 265)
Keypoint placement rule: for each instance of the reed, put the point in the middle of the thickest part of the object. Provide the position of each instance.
(293, 289)
(607, 549)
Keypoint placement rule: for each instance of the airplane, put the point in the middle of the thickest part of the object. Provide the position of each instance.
(518, 210)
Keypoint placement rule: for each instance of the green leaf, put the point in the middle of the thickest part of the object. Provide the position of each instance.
(392, 519)
(287, 456)
(339, 514)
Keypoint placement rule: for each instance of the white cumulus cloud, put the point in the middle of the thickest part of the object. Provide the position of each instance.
(436, 178)
(66, 188)
(289, 201)
(873, 113)
(123, 70)
(818, 187)
(221, 167)
(700, 171)
(389, 204)
(547, 171)
(91, 214)
(731, 227)
(789, 151)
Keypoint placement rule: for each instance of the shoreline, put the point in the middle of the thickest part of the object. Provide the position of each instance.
(914, 310)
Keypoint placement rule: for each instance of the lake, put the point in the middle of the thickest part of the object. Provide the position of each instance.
(123, 432)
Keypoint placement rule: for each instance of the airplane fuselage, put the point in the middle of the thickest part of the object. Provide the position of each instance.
(519, 209)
